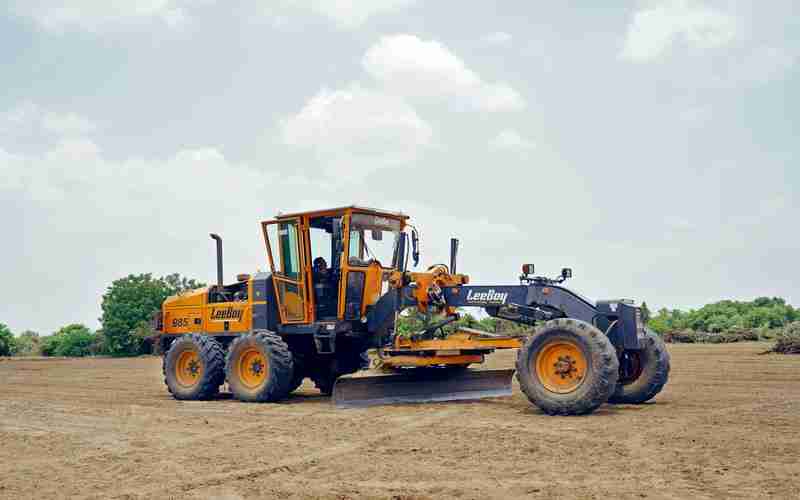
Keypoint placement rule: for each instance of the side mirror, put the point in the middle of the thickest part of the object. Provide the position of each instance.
(566, 273)
(415, 247)
(528, 269)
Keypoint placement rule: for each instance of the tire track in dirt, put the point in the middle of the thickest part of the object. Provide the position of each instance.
(292, 465)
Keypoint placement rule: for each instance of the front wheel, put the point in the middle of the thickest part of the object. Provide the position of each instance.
(642, 373)
(567, 367)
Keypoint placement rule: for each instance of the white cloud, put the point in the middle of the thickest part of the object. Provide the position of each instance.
(99, 15)
(67, 124)
(409, 66)
(351, 13)
(355, 130)
(77, 172)
(21, 119)
(28, 121)
(497, 38)
(511, 140)
(653, 30)
(346, 14)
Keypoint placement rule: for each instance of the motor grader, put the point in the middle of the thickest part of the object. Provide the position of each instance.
(337, 284)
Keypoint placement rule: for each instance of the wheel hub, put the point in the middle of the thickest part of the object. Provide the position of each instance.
(565, 367)
(189, 368)
(560, 366)
(253, 368)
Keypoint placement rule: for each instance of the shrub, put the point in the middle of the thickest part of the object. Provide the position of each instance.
(72, 341)
(7, 343)
(49, 345)
(100, 344)
(734, 335)
(687, 336)
(680, 336)
(29, 344)
(788, 341)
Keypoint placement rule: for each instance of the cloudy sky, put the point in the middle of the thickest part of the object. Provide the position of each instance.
(652, 146)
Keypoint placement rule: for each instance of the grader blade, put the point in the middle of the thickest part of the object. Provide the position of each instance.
(420, 386)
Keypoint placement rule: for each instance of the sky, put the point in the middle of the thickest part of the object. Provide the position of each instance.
(651, 146)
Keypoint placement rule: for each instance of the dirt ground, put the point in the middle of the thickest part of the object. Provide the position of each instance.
(726, 426)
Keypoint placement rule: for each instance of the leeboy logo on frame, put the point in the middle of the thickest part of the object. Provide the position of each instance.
(489, 296)
(227, 314)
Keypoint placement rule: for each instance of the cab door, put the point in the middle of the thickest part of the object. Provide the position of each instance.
(286, 252)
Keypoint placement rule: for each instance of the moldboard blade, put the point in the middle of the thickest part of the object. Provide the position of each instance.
(420, 386)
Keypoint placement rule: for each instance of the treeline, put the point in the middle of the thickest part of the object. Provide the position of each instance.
(128, 305)
(727, 321)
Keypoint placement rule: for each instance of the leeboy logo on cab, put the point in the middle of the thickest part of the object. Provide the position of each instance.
(489, 296)
(227, 314)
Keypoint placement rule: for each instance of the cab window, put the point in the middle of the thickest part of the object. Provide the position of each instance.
(286, 253)
(356, 250)
(372, 239)
(287, 233)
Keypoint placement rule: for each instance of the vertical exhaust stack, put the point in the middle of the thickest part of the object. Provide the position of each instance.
(219, 258)
(453, 254)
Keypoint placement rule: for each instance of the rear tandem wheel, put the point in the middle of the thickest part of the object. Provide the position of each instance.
(193, 367)
(643, 373)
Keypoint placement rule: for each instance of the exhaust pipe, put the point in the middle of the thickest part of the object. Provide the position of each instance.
(453, 254)
(219, 258)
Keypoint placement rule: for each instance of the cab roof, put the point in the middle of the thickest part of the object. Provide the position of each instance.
(338, 210)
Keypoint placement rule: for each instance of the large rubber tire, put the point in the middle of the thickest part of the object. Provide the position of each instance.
(259, 367)
(644, 373)
(194, 367)
(567, 367)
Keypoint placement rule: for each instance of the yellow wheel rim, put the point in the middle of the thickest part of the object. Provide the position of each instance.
(252, 368)
(561, 366)
(189, 368)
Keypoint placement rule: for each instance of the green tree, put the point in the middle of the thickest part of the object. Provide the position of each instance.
(179, 284)
(728, 316)
(100, 344)
(73, 341)
(28, 344)
(132, 300)
(645, 312)
(49, 345)
(7, 342)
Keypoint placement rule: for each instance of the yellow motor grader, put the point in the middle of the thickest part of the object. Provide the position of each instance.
(339, 280)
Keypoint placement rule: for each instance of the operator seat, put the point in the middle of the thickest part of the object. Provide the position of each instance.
(325, 292)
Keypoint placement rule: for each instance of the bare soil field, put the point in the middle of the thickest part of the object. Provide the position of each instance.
(726, 426)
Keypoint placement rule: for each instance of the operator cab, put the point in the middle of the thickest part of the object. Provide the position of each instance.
(331, 264)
